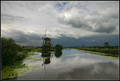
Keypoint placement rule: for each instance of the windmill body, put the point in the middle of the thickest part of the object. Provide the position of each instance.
(106, 44)
(46, 40)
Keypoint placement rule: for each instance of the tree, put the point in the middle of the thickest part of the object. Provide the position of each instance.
(9, 51)
(46, 48)
(58, 47)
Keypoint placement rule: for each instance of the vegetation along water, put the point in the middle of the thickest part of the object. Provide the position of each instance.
(112, 51)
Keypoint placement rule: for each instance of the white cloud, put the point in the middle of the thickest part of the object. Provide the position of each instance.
(97, 16)
(70, 18)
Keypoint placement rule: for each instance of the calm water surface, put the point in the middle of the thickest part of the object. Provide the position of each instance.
(72, 64)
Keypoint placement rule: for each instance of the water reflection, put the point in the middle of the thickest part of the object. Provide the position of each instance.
(58, 54)
(73, 64)
(102, 70)
(48, 54)
(47, 60)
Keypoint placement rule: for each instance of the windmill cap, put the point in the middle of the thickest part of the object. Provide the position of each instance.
(106, 42)
(47, 38)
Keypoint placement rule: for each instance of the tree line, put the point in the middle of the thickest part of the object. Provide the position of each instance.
(11, 52)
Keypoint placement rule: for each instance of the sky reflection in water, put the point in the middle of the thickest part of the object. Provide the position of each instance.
(74, 64)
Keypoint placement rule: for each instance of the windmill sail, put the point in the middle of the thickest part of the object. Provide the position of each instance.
(45, 33)
(46, 40)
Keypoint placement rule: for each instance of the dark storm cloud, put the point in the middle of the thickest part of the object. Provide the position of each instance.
(87, 41)
(23, 38)
(107, 30)
(102, 25)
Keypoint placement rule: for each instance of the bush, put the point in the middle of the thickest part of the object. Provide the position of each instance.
(9, 51)
(21, 55)
(58, 47)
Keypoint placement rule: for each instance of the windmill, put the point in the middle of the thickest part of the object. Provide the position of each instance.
(105, 42)
(46, 40)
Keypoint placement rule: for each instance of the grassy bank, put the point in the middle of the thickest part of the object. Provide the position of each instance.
(10, 72)
(112, 51)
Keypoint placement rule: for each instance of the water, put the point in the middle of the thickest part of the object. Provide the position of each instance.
(72, 64)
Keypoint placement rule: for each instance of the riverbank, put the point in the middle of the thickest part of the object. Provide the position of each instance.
(18, 68)
(40, 68)
(113, 53)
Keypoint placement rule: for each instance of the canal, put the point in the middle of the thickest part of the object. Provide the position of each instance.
(71, 64)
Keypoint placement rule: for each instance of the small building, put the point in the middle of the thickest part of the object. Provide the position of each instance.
(106, 44)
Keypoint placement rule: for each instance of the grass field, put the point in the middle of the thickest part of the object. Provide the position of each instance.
(106, 51)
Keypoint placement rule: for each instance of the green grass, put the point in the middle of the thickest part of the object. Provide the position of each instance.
(9, 72)
(112, 51)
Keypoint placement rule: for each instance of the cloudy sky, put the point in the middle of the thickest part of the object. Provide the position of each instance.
(70, 23)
